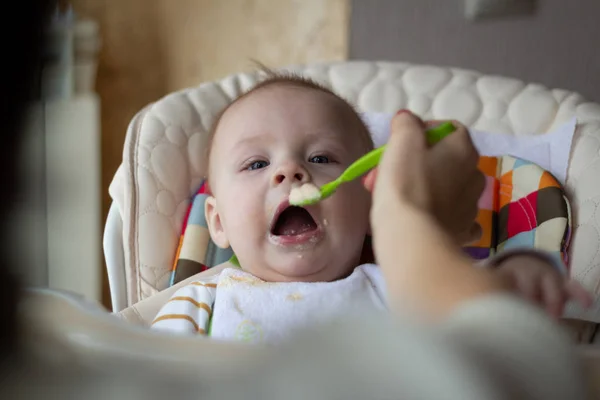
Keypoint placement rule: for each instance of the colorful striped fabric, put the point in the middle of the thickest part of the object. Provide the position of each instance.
(522, 206)
(196, 251)
(486, 216)
(533, 210)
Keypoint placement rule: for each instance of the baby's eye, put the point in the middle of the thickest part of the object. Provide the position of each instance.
(319, 159)
(257, 165)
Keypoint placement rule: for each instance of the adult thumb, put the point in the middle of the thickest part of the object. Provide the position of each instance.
(405, 149)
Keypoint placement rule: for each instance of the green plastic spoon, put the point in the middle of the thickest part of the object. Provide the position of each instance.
(363, 165)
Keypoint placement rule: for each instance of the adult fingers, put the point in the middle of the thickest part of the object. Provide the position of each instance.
(529, 285)
(455, 154)
(579, 294)
(553, 295)
(471, 194)
(459, 209)
(369, 179)
(404, 151)
(451, 164)
(470, 236)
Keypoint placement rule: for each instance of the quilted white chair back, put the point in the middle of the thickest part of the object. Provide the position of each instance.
(164, 151)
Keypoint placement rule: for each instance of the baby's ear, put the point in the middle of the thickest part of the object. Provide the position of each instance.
(215, 226)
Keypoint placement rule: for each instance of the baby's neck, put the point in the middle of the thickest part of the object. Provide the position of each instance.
(277, 277)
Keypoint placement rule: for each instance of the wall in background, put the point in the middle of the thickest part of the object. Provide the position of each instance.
(153, 47)
(556, 47)
(205, 39)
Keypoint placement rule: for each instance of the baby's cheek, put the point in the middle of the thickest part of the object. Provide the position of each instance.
(361, 199)
(353, 212)
(242, 216)
(243, 231)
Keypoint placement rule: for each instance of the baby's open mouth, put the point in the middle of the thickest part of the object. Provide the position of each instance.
(293, 221)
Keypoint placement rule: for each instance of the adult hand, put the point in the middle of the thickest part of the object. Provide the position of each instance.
(450, 171)
(540, 282)
(424, 267)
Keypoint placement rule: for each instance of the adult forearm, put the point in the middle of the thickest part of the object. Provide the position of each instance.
(425, 270)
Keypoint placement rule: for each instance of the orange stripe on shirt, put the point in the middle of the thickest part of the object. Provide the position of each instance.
(198, 304)
(210, 285)
(180, 316)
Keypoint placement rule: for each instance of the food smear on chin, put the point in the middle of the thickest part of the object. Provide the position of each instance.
(308, 192)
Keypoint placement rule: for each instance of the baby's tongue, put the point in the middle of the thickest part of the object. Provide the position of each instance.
(294, 221)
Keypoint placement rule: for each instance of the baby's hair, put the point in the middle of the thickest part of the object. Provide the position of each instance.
(272, 78)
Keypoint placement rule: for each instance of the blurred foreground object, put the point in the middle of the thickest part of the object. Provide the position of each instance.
(56, 226)
(70, 56)
(79, 349)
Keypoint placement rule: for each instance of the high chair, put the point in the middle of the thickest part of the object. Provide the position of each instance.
(162, 166)
(164, 152)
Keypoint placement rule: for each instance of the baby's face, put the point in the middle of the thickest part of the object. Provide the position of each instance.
(266, 143)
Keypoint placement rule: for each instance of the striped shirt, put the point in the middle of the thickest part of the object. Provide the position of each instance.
(190, 308)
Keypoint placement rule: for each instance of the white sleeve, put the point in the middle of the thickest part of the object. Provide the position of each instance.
(189, 310)
(519, 347)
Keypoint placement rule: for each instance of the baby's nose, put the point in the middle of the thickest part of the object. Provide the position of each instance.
(290, 174)
(296, 177)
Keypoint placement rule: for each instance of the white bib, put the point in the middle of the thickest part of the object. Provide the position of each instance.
(249, 309)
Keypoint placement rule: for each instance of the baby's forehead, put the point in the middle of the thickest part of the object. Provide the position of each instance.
(284, 93)
(279, 105)
(298, 105)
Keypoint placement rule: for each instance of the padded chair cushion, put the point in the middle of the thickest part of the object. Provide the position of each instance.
(164, 150)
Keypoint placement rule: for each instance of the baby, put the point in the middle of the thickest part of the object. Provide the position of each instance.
(298, 266)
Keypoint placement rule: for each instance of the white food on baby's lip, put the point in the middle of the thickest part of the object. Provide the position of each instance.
(296, 196)
(325, 222)
(301, 194)
(310, 191)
